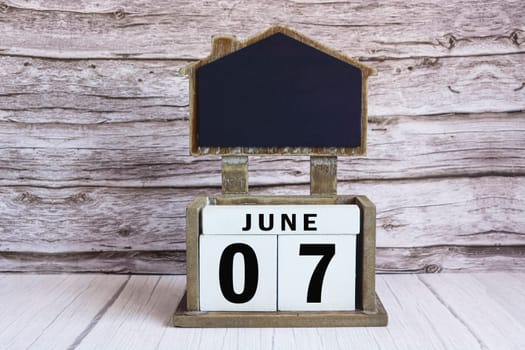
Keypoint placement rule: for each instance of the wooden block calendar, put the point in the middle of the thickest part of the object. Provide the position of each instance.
(367, 310)
(279, 261)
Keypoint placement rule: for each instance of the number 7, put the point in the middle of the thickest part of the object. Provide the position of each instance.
(316, 281)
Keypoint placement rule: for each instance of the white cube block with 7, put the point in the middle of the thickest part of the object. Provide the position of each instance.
(238, 272)
(316, 272)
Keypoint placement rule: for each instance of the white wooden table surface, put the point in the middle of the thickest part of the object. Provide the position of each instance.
(434, 311)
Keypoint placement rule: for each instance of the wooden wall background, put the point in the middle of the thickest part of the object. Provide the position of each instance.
(94, 165)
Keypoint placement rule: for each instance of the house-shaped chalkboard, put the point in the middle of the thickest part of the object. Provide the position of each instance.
(277, 93)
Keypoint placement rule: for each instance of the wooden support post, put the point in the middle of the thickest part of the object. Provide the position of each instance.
(192, 253)
(234, 174)
(367, 254)
(323, 175)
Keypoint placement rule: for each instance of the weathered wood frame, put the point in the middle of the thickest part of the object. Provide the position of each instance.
(224, 45)
(369, 310)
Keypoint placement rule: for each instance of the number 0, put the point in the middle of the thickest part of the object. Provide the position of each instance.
(251, 273)
(316, 281)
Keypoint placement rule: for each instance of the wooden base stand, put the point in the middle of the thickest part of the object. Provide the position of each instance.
(217, 319)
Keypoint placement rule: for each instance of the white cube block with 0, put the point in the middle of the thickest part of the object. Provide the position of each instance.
(238, 272)
(316, 272)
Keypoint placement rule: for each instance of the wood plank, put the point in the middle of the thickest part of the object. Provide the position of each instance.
(419, 212)
(417, 319)
(174, 29)
(234, 174)
(192, 253)
(367, 240)
(152, 154)
(444, 85)
(92, 219)
(431, 259)
(217, 338)
(43, 311)
(451, 258)
(142, 230)
(485, 210)
(171, 262)
(506, 289)
(139, 317)
(106, 91)
(91, 91)
(416, 322)
(323, 175)
(474, 305)
(97, 311)
(307, 319)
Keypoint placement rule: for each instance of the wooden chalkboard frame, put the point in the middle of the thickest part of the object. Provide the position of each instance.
(225, 45)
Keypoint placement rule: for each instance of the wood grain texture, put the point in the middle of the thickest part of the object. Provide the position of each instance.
(153, 154)
(450, 258)
(193, 224)
(104, 91)
(94, 166)
(92, 219)
(50, 311)
(423, 321)
(182, 29)
(139, 317)
(91, 91)
(108, 261)
(279, 319)
(486, 233)
(434, 85)
(323, 175)
(366, 256)
(506, 290)
(503, 329)
(431, 259)
(445, 311)
(234, 174)
(485, 210)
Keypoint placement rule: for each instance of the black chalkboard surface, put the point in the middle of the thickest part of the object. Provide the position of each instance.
(278, 92)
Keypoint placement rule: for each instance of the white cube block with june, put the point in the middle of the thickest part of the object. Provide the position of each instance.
(280, 219)
(316, 272)
(238, 272)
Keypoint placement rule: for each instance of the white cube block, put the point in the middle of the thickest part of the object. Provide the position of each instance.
(280, 219)
(316, 272)
(238, 272)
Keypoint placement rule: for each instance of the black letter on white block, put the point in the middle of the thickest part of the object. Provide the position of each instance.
(308, 222)
(251, 273)
(316, 282)
(261, 222)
